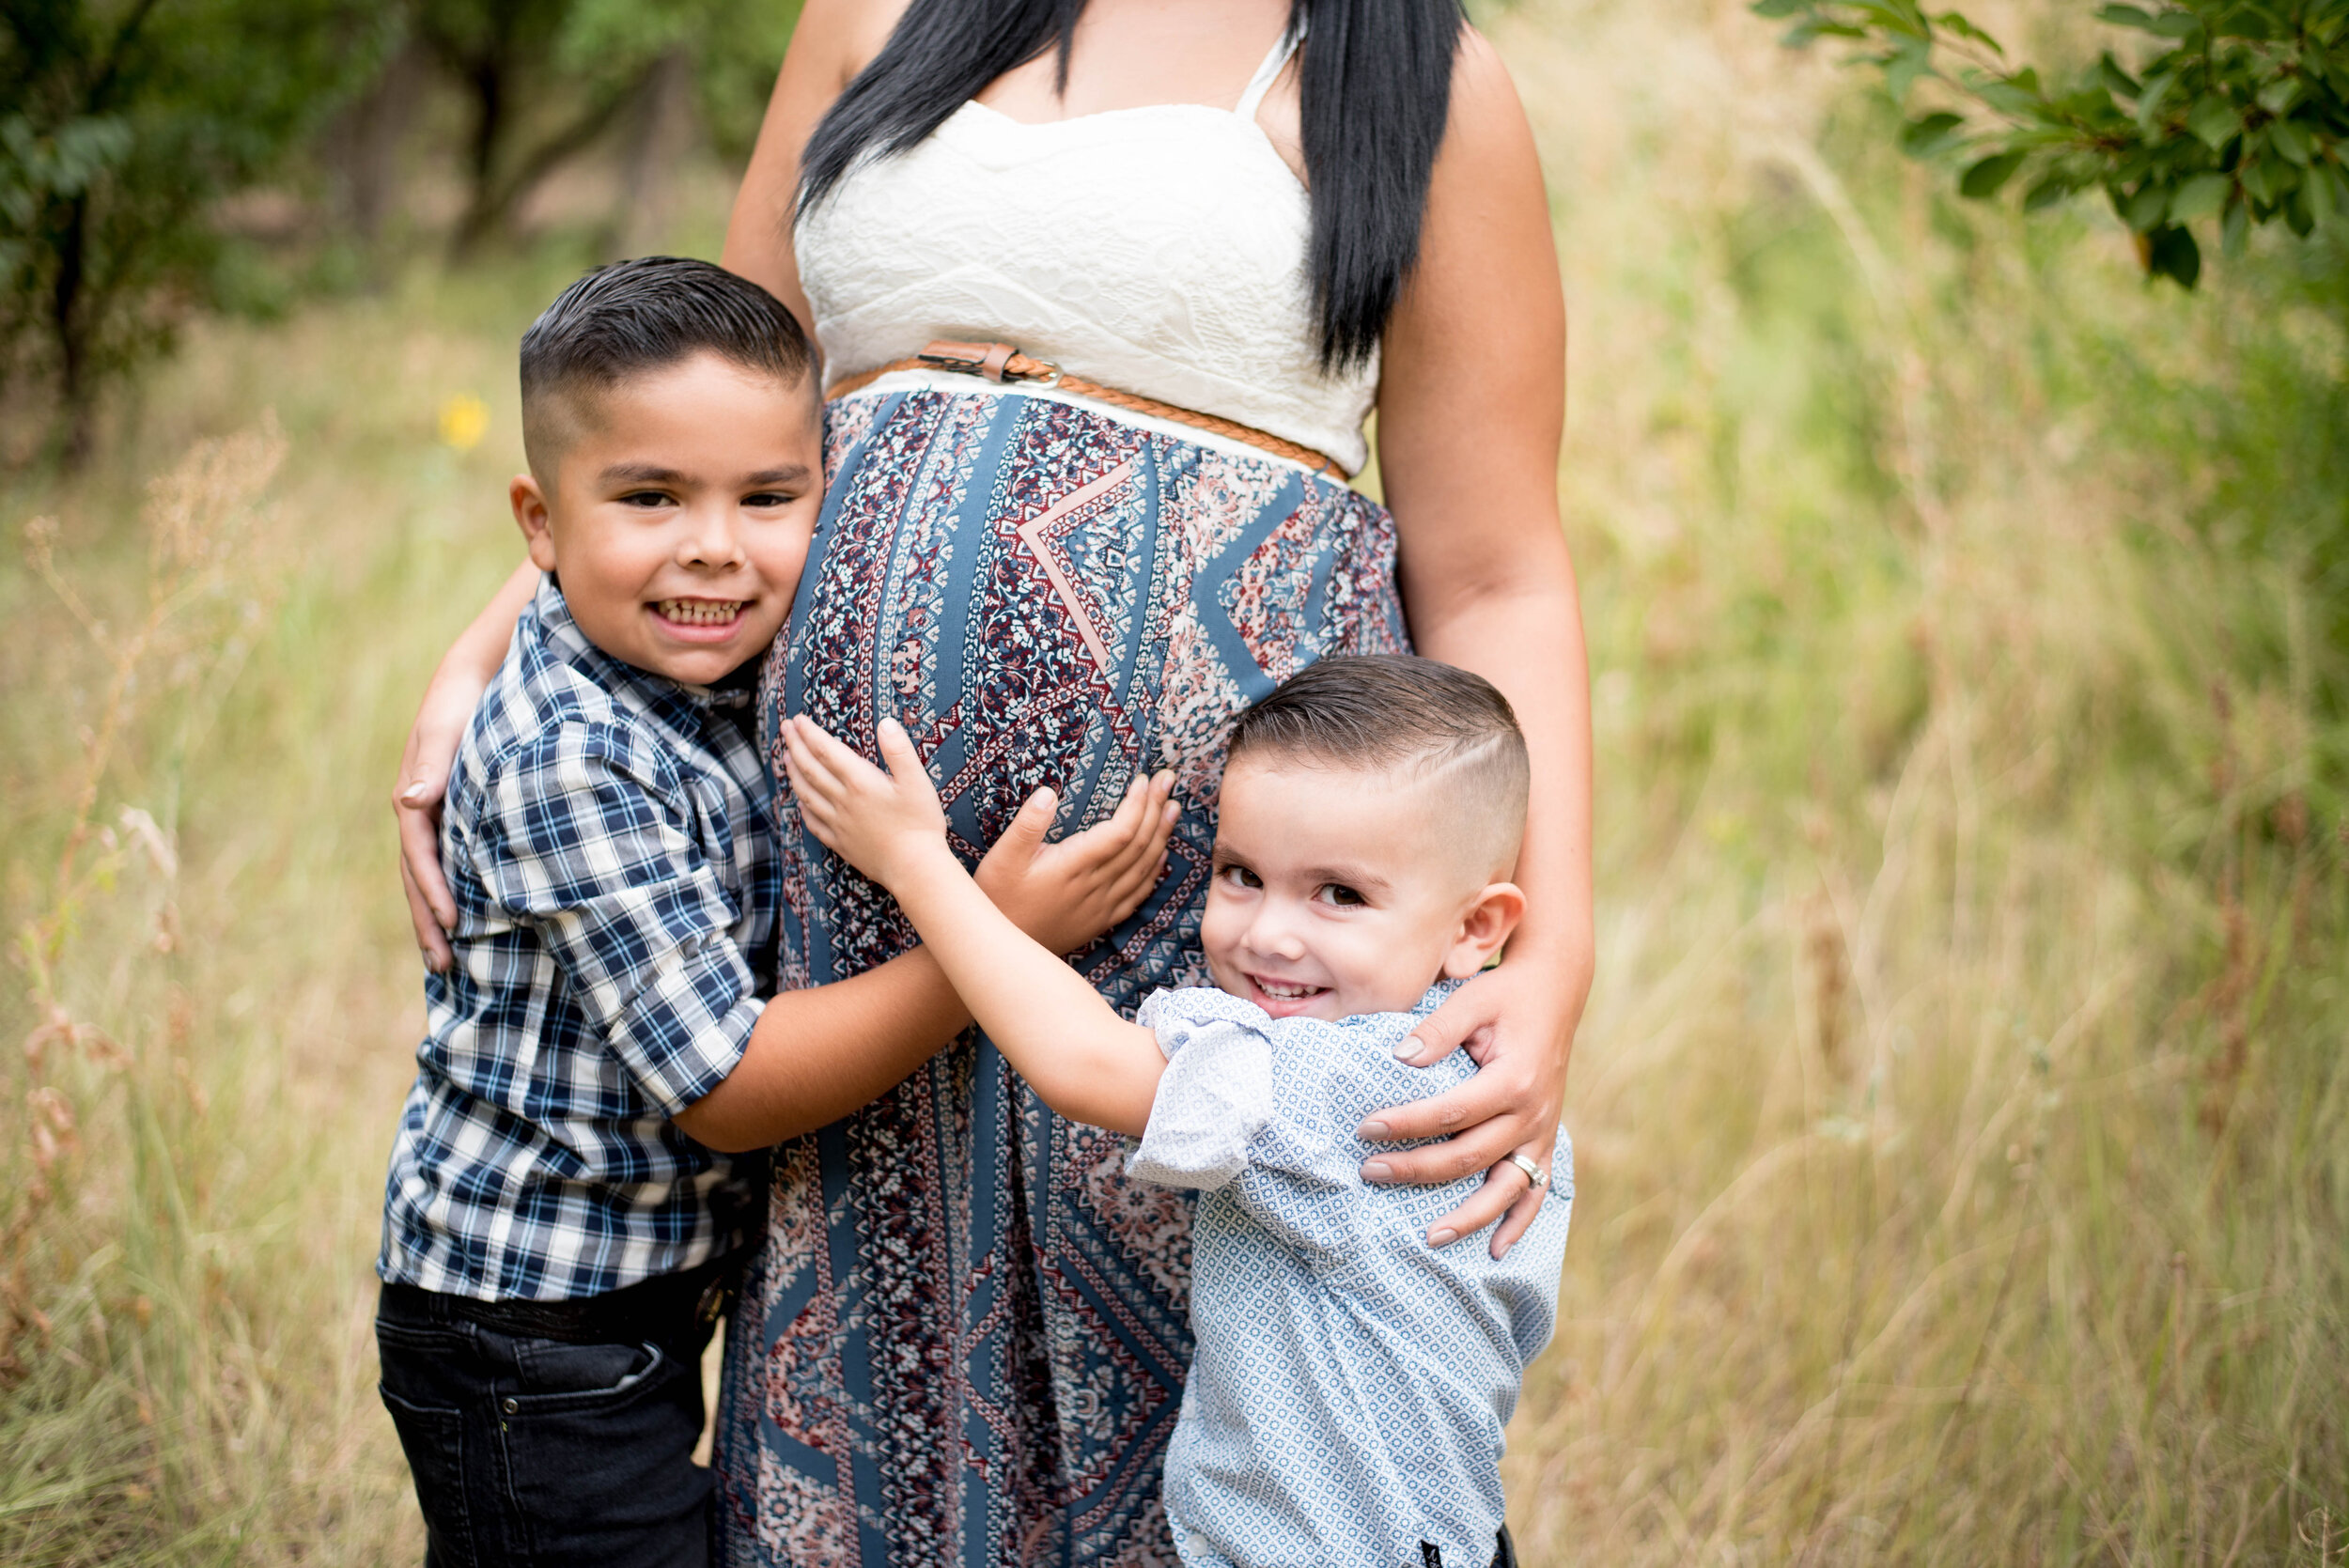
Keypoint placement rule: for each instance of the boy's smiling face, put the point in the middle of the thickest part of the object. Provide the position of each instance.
(1341, 891)
(680, 513)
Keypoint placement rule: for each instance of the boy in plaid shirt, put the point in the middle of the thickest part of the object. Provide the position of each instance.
(561, 1214)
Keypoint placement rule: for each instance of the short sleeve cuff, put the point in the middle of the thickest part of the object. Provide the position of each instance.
(1215, 1094)
(689, 1030)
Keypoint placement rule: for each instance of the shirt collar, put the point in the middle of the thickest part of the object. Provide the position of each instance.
(1437, 994)
(671, 698)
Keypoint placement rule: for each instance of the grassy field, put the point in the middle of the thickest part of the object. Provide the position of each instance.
(1962, 1118)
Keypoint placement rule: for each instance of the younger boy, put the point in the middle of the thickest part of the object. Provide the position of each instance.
(559, 1221)
(1346, 1401)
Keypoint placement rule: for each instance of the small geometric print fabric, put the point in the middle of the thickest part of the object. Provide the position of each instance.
(1347, 1396)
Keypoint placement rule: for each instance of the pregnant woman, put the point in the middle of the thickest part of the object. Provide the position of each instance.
(1164, 259)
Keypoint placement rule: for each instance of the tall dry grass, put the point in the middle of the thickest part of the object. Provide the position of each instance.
(1960, 1111)
(204, 685)
(1965, 1139)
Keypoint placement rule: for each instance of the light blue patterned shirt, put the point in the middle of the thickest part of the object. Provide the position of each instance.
(1346, 1401)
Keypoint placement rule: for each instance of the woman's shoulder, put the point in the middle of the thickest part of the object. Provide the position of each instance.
(1485, 109)
(845, 35)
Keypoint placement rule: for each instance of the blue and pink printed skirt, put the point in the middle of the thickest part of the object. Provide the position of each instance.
(964, 1340)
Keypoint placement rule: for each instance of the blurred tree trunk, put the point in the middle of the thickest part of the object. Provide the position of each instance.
(500, 55)
(663, 129)
(68, 322)
(366, 141)
(502, 182)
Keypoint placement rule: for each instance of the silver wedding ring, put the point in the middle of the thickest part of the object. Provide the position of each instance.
(1534, 1174)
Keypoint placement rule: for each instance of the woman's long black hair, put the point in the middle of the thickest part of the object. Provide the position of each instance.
(1376, 88)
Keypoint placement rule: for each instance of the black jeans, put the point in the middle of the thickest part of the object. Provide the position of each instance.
(1504, 1552)
(542, 1451)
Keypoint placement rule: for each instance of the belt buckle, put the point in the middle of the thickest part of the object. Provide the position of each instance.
(964, 359)
(988, 360)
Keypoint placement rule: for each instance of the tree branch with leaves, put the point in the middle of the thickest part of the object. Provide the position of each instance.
(2234, 116)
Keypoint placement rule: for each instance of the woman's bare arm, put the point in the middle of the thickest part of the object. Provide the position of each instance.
(441, 720)
(1471, 409)
(833, 40)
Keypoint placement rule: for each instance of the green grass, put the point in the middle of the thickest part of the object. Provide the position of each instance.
(1961, 1123)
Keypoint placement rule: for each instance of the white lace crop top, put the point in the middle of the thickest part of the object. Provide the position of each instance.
(1158, 250)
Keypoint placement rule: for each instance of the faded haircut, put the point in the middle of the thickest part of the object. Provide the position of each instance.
(1392, 713)
(631, 318)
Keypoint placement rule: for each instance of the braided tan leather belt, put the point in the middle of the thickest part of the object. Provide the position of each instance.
(1004, 364)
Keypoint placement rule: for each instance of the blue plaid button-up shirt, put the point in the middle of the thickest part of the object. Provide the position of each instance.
(607, 840)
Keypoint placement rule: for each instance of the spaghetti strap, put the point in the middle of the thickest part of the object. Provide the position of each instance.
(1282, 47)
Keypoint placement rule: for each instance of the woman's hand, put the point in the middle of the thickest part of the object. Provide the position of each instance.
(423, 769)
(1066, 893)
(457, 686)
(1516, 1022)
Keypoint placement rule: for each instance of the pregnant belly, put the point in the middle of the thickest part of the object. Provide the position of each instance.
(1043, 594)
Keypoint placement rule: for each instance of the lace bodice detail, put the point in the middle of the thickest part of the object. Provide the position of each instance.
(1158, 250)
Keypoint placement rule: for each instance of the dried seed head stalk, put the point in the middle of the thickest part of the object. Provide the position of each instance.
(198, 517)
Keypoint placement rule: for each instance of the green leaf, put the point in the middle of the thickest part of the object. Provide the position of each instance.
(2145, 209)
(2336, 181)
(2171, 253)
(1896, 16)
(2245, 22)
(2291, 138)
(2203, 197)
(2177, 24)
(2125, 16)
(1803, 33)
(1922, 138)
(2053, 189)
(1777, 9)
(2298, 217)
(2279, 97)
(2214, 120)
(1986, 179)
(1909, 60)
(2010, 95)
(2235, 228)
(2262, 177)
(2117, 82)
(1957, 24)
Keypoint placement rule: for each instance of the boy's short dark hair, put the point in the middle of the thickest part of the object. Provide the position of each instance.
(1383, 712)
(630, 317)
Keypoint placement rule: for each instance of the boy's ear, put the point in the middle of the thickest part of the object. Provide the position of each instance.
(533, 516)
(1490, 919)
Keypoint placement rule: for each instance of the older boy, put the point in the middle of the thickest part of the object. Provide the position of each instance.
(559, 1220)
(1346, 1401)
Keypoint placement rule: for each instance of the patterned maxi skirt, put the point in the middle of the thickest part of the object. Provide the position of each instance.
(964, 1340)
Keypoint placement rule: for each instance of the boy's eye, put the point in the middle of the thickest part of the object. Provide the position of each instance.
(766, 499)
(1341, 895)
(1240, 876)
(644, 499)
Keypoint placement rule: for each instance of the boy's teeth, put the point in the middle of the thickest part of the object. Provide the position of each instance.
(1286, 993)
(700, 612)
